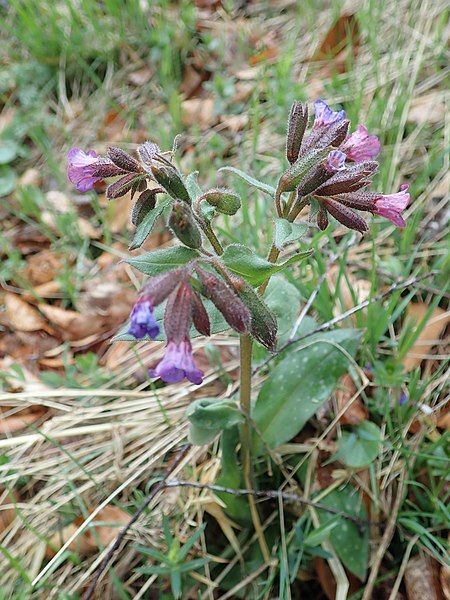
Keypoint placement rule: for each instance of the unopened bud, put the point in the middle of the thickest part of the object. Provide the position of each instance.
(177, 316)
(123, 160)
(121, 186)
(147, 152)
(298, 120)
(236, 314)
(321, 173)
(225, 201)
(200, 317)
(345, 215)
(158, 288)
(143, 205)
(322, 219)
(183, 225)
(263, 323)
(293, 176)
(170, 179)
(105, 168)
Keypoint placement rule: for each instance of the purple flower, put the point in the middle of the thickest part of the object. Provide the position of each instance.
(325, 116)
(403, 398)
(81, 168)
(142, 320)
(361, 146)
(335, 161)
(391, 205)
(177, 364)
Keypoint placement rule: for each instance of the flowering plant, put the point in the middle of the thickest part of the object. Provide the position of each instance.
(209, 287)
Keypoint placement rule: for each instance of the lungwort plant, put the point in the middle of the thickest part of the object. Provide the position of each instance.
(201, 285)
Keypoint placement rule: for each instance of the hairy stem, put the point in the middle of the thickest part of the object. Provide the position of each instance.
(206, 227)
(246, 438)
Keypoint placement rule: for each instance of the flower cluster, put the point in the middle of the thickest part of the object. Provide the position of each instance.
(184, 307)
(334, 168)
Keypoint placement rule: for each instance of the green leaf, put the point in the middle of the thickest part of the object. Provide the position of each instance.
(286, 232)
(9, 149)
(183, 552)
(253, 268)
(208, 417)
(231, 476)
(8, 180)
(322, 533)
(144, 228)
(160, 261)
(260, 185)
(359, 447)
(283, 299)
(192, 185)
(301, 383)
(349, 542)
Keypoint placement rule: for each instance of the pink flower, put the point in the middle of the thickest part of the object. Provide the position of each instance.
(177, 364)
(391, 205)
(361, 146)
(325, 116)
(81, 168)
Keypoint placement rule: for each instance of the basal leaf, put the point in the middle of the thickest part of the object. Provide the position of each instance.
(359, 447)
(349, 542)
(243, 261)
(260, 185)
(300, 384)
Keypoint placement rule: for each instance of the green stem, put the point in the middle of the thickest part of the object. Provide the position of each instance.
(206, 227)
(246, 438)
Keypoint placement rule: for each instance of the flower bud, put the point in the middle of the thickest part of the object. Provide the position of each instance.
(323, 172)
(298, 120)
(295, 173)
(147, 152)
(322, 219)
(121, 186)
(351, 179)
(223, 200)
(263, 323)
(167, 176)
(123, 160)
(143, 205)
(158, 288)
(345, 215)
(235, 313)
(183, 225)
(200, 317)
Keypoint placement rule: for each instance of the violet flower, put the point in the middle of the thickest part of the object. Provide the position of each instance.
(391, 205)
(325, 116)
(142, 320)
(335, 161)
(81, 168)
(361, 146)
(177, 364)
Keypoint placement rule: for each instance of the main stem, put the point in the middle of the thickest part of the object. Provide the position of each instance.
(246, 438)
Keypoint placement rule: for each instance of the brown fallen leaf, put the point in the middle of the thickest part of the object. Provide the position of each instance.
(22, 316)
(104, 530)
(356, 412)
(198, 111)
(342, 33)
(428, 337)
(269, 53)
(234, 123)
(7, 515)
(428, 109)
(422, 579)
(20, 421)
(42, 267)
(141, 76)
(352, 290)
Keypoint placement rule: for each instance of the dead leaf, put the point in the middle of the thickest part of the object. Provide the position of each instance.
(198, 111)
(59, 201)
(7, 515)
(356, 412)
(141, 76)
(31, 177)
(342, 33)
(269, 53)
(42, 267)
(429, 336)
(428, 109)
(443, 421)
(234, 123)
(422, 579)
(22, 316)
(20, 421)
(105, 528)
(352, 290)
